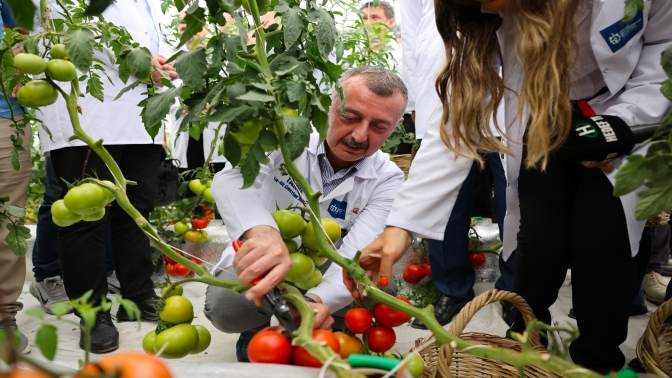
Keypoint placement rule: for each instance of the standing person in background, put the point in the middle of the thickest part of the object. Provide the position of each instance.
(573, 83)
(119, 124)
(15, 186)
(452, 274)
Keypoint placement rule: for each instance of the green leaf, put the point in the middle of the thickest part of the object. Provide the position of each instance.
(124, 71)
(79, 43)
(631, 175)
(156, 108)
(234, 69)
(96, 7)
(139, 60)
(191, 67)
(35, 313)
(295, 90)
(320, 122)
(292, 22)
(249, 169)
(325, 33)
(60, 308)
(654, 200)
(667, 62)
(232, 151)
(267, 138)
(256, 96)
(194, 22)
(23, 12)
(128, 88)
(298, 136)
(94, 87)
(228, 114)
(242, 31)
(131, 308)
(16, 239)
(15, 211)
(666, 88)
(233, 91)
(658, 148)
(47, 340)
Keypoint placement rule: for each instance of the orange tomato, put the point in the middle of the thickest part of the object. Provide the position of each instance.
(129, 365)
(349, 344)
(25, 373)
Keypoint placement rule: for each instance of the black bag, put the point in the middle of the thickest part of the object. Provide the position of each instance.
(167, 182)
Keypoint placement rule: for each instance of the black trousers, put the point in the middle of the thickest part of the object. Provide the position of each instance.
(570, 217)
(82, 246)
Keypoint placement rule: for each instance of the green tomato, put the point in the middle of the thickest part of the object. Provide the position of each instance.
(178, 290)
(315, 256)
(86, 199)
(62, 216)
(416, 365)
(30, 63)
(177, 310)
(312, 281)
(290, 223)
(179, 340)
(292, 245)
(61, 70)
(110, 195)
(289, 112)
(95, 216)
(333, 232)
(263, 5)
(207, 194)
(302, 267)
(204, 339)
(208, 183)
(249, 131)
(180, 228)
(244, 149)
(197, 186)
(204, 237)
(148, 343)
(58, 51)
(37, 93)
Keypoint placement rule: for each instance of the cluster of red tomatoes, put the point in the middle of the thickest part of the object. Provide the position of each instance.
(175, 269)
(415, 273)
(195, 233)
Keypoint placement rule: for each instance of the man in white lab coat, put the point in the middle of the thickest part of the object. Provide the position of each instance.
(358, 183)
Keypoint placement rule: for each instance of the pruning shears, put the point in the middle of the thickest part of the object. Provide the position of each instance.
(274, 298)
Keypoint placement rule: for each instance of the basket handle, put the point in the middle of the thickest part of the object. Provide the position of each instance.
(648, 346)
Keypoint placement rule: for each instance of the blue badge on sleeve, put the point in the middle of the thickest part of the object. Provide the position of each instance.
(337, 209)
(618, 35)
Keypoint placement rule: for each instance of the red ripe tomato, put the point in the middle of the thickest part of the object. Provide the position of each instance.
(416, 272)
(302, 357)
(390, 317)
(169, 260)
(200, 223)
(381, 338)
(180, 270)
(358, 320)
(269, 346)
(476, 259)
(428, 269)
(408, 279)
(170, 269)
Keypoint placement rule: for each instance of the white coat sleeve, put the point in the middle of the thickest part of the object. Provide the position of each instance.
(242, 209)
(411, 14)
(640, 102)
(425, 201)
(367, 227)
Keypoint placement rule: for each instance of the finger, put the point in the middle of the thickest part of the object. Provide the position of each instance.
(268, 283)
(386, 263)
(348, 281)
(608, 168)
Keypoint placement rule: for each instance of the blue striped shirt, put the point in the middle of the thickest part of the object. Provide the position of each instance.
(331, 180)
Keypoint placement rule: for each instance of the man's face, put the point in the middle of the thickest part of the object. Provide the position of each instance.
(367, 122)
(495, 5)
(373, 15)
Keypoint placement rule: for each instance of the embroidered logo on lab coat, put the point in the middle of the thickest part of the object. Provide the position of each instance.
(618, 35)
(337, 209)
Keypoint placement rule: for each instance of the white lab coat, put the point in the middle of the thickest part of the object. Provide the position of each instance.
(181, 140)
(633, 75)
(116, 122)
(360, 205)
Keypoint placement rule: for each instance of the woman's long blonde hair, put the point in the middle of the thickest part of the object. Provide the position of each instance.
(471, 88)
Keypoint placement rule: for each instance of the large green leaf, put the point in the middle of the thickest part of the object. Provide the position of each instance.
(298, 136)
(320, 122)
(232, 151)
(654, 200)
(250, 167)
(47, 340)
(23, 12)
(325, 33)
(666, 88)
(156, 108)
(256, 96)
(191, 67)
(17, 239)
(666, 60)
(94, 87)
(292, 23)
(228, 114)
(631, 8)
(194, 23)
(631, 175)
(79, 43)
(139, 61)
(295, 90)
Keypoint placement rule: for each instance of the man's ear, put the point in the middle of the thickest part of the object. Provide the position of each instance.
(390, 22)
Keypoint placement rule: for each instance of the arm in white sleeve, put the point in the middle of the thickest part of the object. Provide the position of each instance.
(425, 201)
(243, 209)
(367, 227)
(411, 14)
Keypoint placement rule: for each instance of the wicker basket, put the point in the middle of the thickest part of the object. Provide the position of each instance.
(654, 348)
(403, 162)
(445, 362)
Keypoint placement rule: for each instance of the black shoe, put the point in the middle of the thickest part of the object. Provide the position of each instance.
(636, 366)
(241, 345)
(444, 310)
(147, 310)
(104, 335)
(509, 313)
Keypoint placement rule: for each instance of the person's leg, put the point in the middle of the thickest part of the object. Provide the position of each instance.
(638, 305)
(601, 298)
(46, 262)
(652, 280)
(12, 267)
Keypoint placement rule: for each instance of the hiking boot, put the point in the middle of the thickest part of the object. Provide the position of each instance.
(10, 324)
(104, 335)
(49, 292)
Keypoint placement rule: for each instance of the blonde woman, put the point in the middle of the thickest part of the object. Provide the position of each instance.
(574, 80)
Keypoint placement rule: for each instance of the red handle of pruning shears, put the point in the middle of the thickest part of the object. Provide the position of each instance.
(237, 244)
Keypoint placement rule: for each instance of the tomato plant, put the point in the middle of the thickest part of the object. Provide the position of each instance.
(416, 272)
(302, 267)
(192, 236)
(61, 70)
(207, 194)
(204, 339)
(315, 256)
(381, 338)
(179, 270)
(390, 317)
(200, 223)
(148, 342)
(358, 320)
(348, 344)
(85, 199)
(428, 269)
(179, 340)
(290, 223)
(269, 346)
(301, 357)
(197, 186)
(333, 232)
(292, 245)
(30, 63)
(415, 365)
(177, 309)
(58, 51)
(476, 259)
(311, 282)
(98, 215)
(204, 237)
(181, 227)
(37, 93)
(263, 5)
(178, 290)
(62, 216)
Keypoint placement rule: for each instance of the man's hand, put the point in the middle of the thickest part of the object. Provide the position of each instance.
(379, 257)
(159, 64)
(323, 319)
(263, 253)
